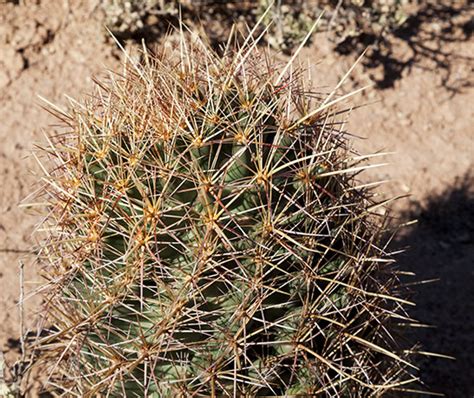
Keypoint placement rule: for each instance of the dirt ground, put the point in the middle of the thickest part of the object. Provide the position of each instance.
(421, 109)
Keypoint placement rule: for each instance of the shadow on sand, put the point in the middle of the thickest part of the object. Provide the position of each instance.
(441, 246)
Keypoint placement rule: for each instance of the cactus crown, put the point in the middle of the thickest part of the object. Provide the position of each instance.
(208, 238)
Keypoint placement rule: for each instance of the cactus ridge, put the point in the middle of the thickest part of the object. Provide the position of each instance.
(208, 237)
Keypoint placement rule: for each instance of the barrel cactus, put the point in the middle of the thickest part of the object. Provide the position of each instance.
(207, 236)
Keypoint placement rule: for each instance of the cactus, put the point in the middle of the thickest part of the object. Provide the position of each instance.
(207, 236)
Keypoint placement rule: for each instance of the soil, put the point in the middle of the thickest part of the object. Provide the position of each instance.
(424, 116)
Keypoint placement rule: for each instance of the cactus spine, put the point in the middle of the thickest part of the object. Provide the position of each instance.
(207, 237)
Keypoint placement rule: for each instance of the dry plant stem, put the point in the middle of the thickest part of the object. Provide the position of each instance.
(21, 309)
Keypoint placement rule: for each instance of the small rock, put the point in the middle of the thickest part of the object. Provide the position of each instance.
(444, 245)
(405, 188)
(12, 61)
(464, 237)
(4, 78)
(25, 34)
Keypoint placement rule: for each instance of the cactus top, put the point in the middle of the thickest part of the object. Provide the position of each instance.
(208, 238)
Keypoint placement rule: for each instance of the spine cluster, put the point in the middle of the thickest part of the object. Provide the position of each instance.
(208, 237)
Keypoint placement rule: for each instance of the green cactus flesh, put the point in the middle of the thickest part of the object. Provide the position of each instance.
(207, 238)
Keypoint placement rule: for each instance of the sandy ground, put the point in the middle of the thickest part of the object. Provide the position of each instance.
(424, 115)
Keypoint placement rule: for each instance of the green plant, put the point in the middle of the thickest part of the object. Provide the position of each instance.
(207, 236)
(124, 17)
(7, 390)
(355, 18)
(287, 21)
